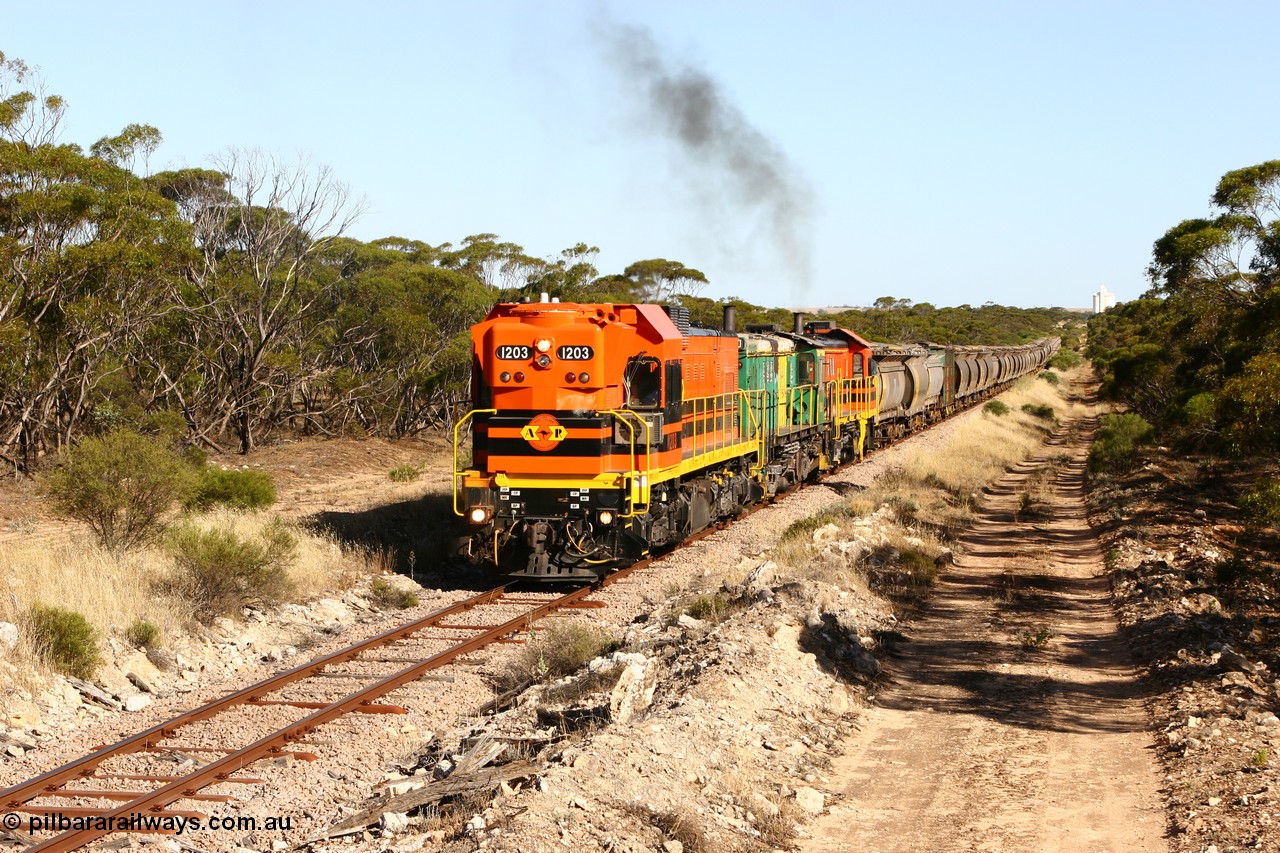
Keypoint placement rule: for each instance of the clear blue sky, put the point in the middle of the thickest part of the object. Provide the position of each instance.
(1021, 153)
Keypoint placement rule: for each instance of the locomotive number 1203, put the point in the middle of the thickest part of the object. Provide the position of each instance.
(509, 352)
(575, 353)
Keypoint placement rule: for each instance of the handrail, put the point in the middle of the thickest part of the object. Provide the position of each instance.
(640, 482)
(797, 393)
(757, 422)
(849, 396)
(456, 473)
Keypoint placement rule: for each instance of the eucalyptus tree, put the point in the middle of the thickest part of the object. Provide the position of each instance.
(398, 348)
(1209, 336)
(661, 280)
(253, 302)
(86, 249)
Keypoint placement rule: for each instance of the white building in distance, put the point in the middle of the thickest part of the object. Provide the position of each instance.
(1103, 299)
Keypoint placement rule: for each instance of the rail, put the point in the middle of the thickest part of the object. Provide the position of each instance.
(156, 802)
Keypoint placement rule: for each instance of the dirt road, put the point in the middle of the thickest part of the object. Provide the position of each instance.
(1013, 721)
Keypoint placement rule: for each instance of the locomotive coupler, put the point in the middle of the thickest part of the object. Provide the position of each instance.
(539, 536)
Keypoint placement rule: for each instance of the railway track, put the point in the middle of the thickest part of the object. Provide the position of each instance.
(102, 786)
(120, 787)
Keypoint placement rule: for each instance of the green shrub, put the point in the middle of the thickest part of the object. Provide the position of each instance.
(1233, 569)
(1251, 402)
(1065, 359)
(803, 528)
(1037, 639)
(1261, 503)
(1116, 446)
(120, 484)
(1050, 377)
(707, 607)
(996, 407)
(218, 572)
(713, 608)
(64, 639)
(141, 633)
(920, 566)
(232, 488)
(1201, 410)
(389, 595)
(404, 473)
(1039, 410)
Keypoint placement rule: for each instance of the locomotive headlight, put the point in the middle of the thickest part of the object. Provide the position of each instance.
(543, 344)
(606, 517)
(479, 515)
(544, 360)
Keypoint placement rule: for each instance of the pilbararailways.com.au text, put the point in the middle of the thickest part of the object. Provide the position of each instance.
(140, 822)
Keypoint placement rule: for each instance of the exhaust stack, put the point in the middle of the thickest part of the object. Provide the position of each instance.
(730, 319)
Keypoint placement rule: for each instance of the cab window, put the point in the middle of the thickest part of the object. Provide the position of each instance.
(644, 382)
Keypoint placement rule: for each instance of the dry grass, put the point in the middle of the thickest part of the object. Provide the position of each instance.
(561, 648)
(923, 505)
(984, 447)
(773, 815)
(115, 590)
(110, 589)
(676, 824)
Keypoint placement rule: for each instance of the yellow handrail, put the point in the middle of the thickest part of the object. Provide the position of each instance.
(708, 419)
(757, 422)
(456, 473)
(640, 489)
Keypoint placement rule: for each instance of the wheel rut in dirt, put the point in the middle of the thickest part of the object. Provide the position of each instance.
(1013, 720)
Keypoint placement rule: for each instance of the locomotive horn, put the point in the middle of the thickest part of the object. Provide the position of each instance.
(730, 319)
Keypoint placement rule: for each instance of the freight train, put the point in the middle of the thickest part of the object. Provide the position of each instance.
(603, 432)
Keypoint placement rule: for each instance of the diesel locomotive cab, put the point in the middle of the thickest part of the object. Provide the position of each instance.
(574, 405)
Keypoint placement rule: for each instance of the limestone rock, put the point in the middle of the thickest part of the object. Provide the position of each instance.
(811, 800)
(633, 694)
(394, 823)
(137, 702)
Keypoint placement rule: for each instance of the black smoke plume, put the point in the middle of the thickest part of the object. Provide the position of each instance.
(731, 164)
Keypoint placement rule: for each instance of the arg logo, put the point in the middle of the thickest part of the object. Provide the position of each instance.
(544, 432)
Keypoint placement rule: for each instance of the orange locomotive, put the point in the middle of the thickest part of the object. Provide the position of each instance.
(602, 431)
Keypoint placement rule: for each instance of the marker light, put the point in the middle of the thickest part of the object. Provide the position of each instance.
(479, 515)
(584, 378)
(569, 377)
(606, 517)
(543, 344)
(506, 376)
(519, 376)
